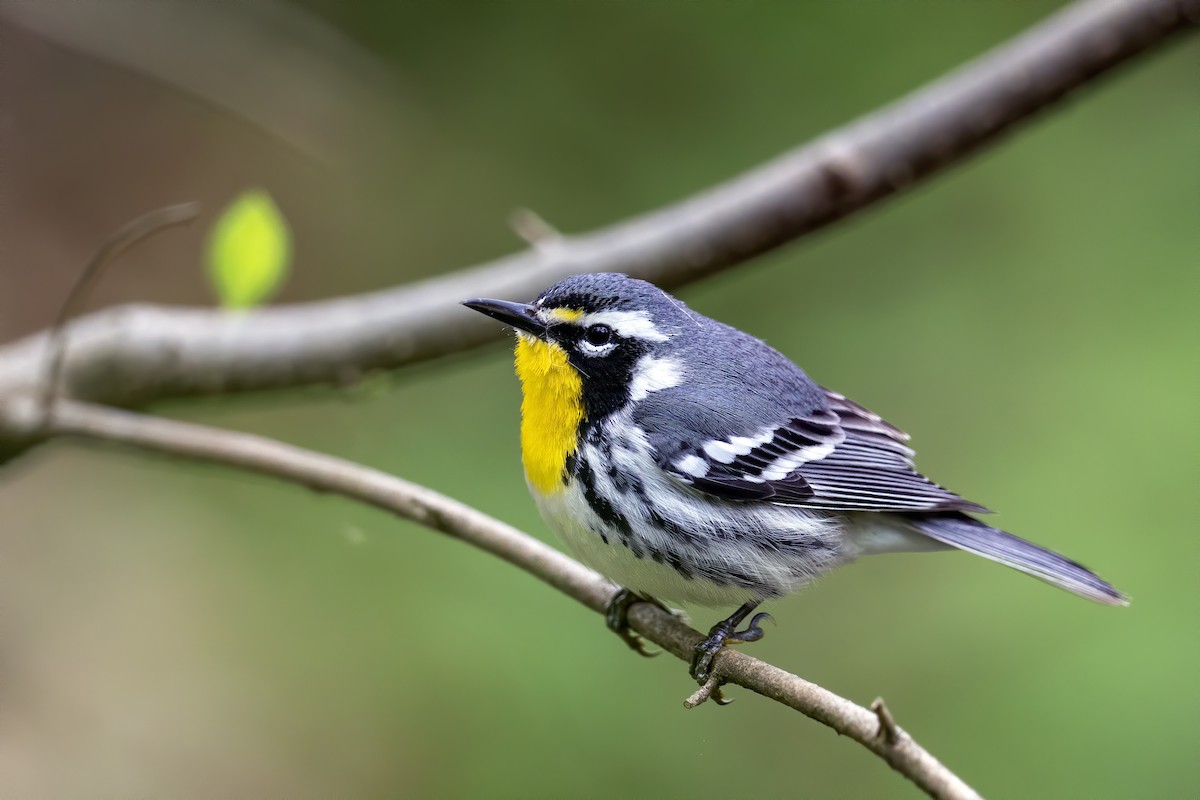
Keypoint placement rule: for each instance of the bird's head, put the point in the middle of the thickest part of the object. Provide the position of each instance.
(617, 337)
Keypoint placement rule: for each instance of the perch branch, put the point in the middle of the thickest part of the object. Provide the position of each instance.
(427, 507)
(135, 354)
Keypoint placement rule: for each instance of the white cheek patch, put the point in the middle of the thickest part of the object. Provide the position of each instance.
(653, 374)
(630, 324)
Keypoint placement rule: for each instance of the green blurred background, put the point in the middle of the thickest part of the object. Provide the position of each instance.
(171, 630)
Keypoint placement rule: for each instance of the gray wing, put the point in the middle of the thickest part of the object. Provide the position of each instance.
(833, 454)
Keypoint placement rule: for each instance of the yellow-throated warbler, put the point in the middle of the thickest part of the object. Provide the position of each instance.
(688, 461)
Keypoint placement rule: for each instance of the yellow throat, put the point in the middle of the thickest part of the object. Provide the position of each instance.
(550, 411)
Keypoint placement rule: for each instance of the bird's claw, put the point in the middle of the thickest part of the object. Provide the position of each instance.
(752, 632)
(723, 633)
(616, 616)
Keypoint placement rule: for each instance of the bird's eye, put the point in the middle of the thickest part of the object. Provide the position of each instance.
(599, 335)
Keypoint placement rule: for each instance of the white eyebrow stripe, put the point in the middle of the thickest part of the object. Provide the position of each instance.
(630, 324)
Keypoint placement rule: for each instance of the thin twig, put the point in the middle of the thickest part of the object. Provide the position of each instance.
(888, 730)
(129, 235)
(537, 233)
(709, 690)
(427, 507)
(878, 156)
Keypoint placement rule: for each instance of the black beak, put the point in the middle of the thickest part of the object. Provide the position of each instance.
(519, 315)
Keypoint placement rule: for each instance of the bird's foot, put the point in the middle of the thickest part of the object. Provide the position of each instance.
(616, 616)
(723, 633)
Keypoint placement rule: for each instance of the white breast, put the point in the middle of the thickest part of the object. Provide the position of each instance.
(566, 512)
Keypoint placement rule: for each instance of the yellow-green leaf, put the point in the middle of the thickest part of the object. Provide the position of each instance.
(249, 251)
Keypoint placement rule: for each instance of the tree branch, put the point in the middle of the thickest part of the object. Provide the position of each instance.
(135, 354)
(875, 731)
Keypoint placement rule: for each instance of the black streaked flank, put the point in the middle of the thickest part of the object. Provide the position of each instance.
(600, 505)
(674, 529)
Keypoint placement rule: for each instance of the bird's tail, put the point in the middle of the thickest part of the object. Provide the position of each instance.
(967, 533)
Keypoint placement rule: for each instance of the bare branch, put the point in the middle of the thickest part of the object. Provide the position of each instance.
(136, 354)
(427, 507)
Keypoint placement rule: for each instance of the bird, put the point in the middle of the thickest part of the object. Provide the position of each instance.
(690, 462)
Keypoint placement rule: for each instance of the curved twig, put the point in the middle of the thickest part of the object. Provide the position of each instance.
(136, 354)
(427, 507)
(132, 233)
